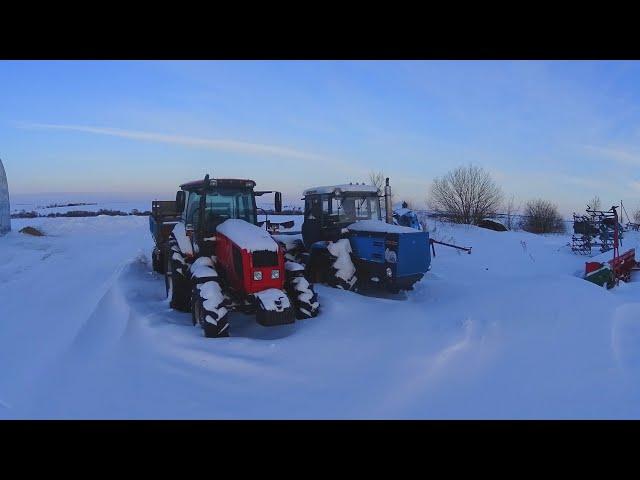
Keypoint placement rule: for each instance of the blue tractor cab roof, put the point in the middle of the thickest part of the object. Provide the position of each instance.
(340, 189)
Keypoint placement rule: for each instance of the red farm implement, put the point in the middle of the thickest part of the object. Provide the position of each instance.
(619, 267)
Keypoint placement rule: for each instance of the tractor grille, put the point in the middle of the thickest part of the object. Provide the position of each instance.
(265, 258)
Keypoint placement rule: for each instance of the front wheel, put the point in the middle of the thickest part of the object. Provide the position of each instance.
(208, 310)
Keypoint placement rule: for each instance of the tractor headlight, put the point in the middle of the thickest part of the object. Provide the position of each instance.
(257, 275)
(389, 272)
(275, 274)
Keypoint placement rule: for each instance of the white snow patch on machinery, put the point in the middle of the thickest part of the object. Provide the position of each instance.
(344, 266)
(212, 292)
(301, 285)
(203, 267)
(273, 299)
(247, 236)
(184, 242)
(293, 266)
(378, 226)
(289, 241)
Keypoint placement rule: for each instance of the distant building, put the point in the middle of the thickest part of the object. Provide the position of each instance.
(5, 211)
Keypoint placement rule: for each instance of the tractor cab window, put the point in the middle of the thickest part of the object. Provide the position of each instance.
(223, 204)
(351, 208)
(313, 208)
(193, 205)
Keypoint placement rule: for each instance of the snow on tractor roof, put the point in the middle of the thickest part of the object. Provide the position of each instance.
(248, 236)
(348, 187)
(378, 226)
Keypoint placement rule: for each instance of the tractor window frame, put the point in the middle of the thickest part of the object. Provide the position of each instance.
(191, 206)
(313, 206)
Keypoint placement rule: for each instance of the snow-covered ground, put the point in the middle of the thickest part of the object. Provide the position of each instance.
(510, 331)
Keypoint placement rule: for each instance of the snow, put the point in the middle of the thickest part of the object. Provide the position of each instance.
(247, 236)
(273, 299)
(510, 331)
(293, 266)
(344, 188)
(184, 242)
(343, 264)
(379, 226)
(289, 241)
(212, 293)
(203, 268)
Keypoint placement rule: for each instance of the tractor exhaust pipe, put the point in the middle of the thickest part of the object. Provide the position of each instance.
(387, 202)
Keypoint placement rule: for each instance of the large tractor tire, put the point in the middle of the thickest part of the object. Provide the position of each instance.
(342, 270)
(157, 260)
(177, 282)
(303, 298)
(208, 310)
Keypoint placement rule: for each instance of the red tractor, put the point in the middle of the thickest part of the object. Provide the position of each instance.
(216, 258)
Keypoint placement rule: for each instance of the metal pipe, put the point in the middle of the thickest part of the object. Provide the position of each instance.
(387, 202)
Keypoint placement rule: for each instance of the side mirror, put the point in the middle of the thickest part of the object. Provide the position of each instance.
(180, 196)
(278, 202)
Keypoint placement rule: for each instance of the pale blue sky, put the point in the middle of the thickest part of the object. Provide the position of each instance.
(560, 130)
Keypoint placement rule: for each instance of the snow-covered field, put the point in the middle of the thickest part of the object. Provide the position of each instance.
(510, 331)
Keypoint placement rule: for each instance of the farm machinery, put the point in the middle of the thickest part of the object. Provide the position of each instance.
(610, 272)
(345, 243)
(216, 258)
(598, 228)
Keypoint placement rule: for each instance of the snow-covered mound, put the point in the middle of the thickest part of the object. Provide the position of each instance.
(510, 331)
(247, 236)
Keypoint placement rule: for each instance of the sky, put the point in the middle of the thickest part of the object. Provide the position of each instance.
(560, 130)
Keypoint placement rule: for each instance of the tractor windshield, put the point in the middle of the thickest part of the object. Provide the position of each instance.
(223, 204)
(354, 207)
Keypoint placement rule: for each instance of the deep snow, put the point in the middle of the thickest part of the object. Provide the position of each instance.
(510, 331)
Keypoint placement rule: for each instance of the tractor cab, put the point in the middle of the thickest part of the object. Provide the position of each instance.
(205, 204)
(327, 210)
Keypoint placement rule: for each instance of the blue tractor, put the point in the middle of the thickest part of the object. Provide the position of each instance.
(346, 244)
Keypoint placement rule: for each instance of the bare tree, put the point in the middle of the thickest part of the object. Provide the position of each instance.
(465, 195)
(595, 203)
(511, 211)
(636, 216)
(377, 179)
(542, 216)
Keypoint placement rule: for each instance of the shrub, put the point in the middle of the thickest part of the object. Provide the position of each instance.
(542, 216)
(465, 195)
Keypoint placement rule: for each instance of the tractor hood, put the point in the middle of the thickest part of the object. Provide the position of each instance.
(247, 236)
(379, 227)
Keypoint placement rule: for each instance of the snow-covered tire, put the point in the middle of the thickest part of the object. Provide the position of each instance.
(157, 260)
(208, 310)
(303, 298)
(342, 271)
(176, 280)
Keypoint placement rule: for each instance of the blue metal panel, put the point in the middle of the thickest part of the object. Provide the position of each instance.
(319, 245)
(414, 255)
(368, 248)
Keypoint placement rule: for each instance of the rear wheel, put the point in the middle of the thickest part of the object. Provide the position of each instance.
(157, 260)
(176, 283)
(303, 298)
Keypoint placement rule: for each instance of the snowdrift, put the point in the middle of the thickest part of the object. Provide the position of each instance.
(510, 331)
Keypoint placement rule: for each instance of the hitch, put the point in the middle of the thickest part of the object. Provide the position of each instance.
(433, 249)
